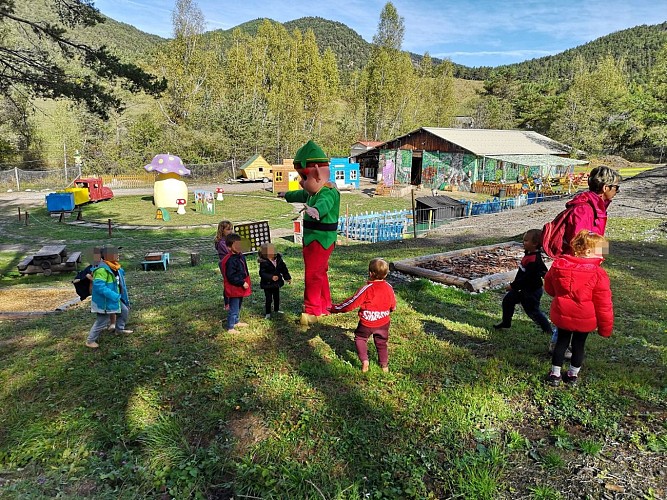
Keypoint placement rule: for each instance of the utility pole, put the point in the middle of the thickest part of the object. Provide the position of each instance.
(65, 156)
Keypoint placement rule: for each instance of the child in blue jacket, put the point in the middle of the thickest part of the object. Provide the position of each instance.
(109, 296)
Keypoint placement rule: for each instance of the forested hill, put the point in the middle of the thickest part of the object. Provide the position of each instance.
(122, 39)
(352, 51)
(638, 46)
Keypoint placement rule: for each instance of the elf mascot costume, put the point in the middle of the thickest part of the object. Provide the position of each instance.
(320, 225)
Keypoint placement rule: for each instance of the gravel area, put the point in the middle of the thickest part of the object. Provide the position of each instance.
(644, 195)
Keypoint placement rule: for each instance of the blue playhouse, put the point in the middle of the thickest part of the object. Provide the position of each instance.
(343, 173)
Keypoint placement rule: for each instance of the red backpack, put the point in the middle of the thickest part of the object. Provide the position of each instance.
(553, 234)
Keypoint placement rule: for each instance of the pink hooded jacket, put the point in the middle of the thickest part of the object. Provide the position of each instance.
(587, 211)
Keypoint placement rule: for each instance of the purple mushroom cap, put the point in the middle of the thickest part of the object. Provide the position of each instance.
(167, 164)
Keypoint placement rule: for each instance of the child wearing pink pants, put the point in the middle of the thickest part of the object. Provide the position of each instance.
(375, 300)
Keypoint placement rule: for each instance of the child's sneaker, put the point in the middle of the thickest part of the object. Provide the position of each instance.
(111, 327)
(554, 380)
(501, 326)
(570, 379)
(240, 325)
(280, 312)
(92, 345)
(267, 316)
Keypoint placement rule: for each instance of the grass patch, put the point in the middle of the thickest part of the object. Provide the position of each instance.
(183, 409)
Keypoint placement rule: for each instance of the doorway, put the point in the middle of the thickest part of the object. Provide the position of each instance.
(416, 170)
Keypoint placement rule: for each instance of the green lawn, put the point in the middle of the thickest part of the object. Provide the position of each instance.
(183, 409)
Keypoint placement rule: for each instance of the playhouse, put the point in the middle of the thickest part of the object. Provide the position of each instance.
(343, 173)
(256, 169)
(285, 178)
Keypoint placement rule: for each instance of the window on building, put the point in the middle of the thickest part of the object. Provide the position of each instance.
(279, 176)
(353, 175)
(340, 175)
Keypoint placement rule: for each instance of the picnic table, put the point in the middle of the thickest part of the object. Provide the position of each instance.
(50, 259)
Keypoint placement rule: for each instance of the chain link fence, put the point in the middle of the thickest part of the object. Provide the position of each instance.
(16, 179)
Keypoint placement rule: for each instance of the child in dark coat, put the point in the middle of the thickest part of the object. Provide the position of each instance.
(527, 289)
(273, 274)
(236, 280)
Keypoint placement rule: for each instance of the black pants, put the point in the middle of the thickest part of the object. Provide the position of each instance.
(530, 300)
(272, 295)
(565, 338)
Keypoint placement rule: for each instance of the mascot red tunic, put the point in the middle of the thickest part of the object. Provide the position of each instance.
(320, 227)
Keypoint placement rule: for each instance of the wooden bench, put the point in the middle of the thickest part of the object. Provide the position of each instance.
(161, 258)
(74, 258)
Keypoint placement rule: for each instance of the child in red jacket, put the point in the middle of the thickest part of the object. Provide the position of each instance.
(375, 300)
(582, 301)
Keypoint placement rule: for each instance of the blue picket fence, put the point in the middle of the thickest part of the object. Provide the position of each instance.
(375, 226)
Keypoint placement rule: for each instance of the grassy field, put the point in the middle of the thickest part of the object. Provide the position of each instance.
(182, 409)
(258, 205)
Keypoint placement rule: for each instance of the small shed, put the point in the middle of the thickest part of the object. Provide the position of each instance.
(285, 178)
(256, 169)
(434, 209)
(343, 173)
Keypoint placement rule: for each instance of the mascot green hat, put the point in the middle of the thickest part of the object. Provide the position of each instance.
(309, 153)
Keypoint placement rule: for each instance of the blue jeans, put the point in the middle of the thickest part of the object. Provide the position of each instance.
(121, 319)
(530, 300)
(234, 311)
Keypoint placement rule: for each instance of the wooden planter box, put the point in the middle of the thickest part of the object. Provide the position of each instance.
(412, 267)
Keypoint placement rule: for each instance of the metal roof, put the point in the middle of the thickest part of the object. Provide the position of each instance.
(539, 160)
(488, 142)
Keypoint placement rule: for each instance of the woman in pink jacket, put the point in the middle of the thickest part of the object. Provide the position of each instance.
(588, 210)
(582, 302)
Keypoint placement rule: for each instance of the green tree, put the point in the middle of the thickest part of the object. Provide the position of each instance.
(594, 116)
(185, 62)
(391, 29)
(39, 57)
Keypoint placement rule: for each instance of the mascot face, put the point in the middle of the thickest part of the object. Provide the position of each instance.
(313, 177)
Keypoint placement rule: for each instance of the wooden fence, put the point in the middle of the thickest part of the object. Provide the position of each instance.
(129, 180)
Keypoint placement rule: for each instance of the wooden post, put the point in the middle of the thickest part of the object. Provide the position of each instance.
(27, 215)
(19, 214)
(414, 215)
(347, 223)
(194, 258)
(109, 223)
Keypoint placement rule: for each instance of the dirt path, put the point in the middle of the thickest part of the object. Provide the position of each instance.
(644, 195)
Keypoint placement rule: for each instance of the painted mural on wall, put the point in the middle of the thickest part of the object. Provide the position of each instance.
(402, 164)
(388, 172)
(443, 170)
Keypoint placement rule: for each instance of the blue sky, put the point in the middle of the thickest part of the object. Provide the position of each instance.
(470, 32)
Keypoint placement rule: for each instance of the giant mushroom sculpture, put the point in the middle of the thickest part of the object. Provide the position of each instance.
(168, 187)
